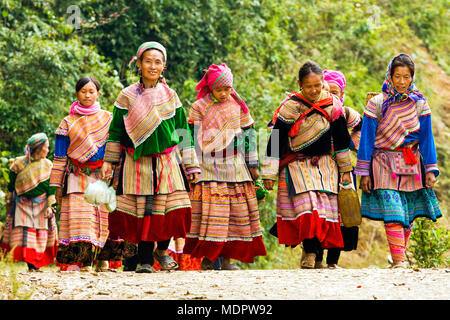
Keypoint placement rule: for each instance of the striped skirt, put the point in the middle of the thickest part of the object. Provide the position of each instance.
(225, 222)
(307, 215)
(81, 221)
(35, 246)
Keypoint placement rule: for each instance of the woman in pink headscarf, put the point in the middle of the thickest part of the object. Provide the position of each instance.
(225, 215)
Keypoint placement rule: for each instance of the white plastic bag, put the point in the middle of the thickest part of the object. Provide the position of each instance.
(98, 193)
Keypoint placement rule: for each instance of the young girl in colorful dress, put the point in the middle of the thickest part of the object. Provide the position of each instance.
(225, 215)
(30, 224)
(397, 158)
(150, 141)
(79, 149)
(299, 156)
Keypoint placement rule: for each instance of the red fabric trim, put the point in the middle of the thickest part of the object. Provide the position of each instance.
(91, 164)
(114, 264)
(244, 251)
(308, 226)
(38, 259)
(174, 224)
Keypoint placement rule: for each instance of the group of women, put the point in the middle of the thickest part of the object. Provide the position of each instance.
(189, 180)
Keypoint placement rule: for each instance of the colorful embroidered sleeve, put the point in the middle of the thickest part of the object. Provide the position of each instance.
(116, 130)
(426, 143)
(58, 171)
(366, 145)
(341, 143)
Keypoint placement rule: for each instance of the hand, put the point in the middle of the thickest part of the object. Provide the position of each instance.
(193, 177)
(366, 184)
(58, 195)
(106, 171)
(346, 178)
(254, 172)
(48, 213)
(268, 184)
(430, 180)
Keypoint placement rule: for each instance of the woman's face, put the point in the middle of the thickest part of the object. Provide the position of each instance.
(41, 152)
(335, 89)
(222, 94)
(151, 65)
(88, 94)
(401, 78)
(311, 86)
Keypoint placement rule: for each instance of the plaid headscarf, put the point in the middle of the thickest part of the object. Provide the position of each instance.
(215, 77)
(392, 95)
(34, 142)
(149, 45)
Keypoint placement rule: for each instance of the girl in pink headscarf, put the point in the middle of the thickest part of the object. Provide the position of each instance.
(225, 215)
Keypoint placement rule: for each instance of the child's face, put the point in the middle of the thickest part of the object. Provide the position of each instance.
(222, 94)
(88, 94)
(335, 89)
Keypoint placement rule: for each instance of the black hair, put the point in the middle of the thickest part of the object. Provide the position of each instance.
(403, 60)
(84, 80)
(307, 68)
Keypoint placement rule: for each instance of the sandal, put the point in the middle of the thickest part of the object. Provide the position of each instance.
(309, 261)
(165, 261)
(145, 268)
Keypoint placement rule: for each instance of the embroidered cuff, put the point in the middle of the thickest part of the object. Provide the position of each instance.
(344, 160)
(58, 171)
(432, 167)
(251, 158)
(362, 167)
(269, 170)
(189, 159)
(112, 152)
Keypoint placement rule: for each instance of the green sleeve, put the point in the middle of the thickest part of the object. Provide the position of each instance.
(117, 126)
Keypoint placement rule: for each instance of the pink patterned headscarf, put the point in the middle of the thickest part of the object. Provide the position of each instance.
(335, 77)
(218, 76)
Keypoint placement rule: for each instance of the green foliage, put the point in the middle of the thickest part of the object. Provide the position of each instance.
(430, 244)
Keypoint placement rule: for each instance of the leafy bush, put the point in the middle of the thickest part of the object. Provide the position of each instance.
(430, 244)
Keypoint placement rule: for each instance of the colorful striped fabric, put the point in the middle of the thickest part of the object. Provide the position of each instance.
(306, 215)
(58, 171)
(307, 176)
(87, 133)
(30, 212)
(147, 108)
(218, 123)
(30, 175)
(80, 221)
(397, 237)
(399, 120)
(35, 246)
(385, 176)
(138, 175)
(224, 211)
